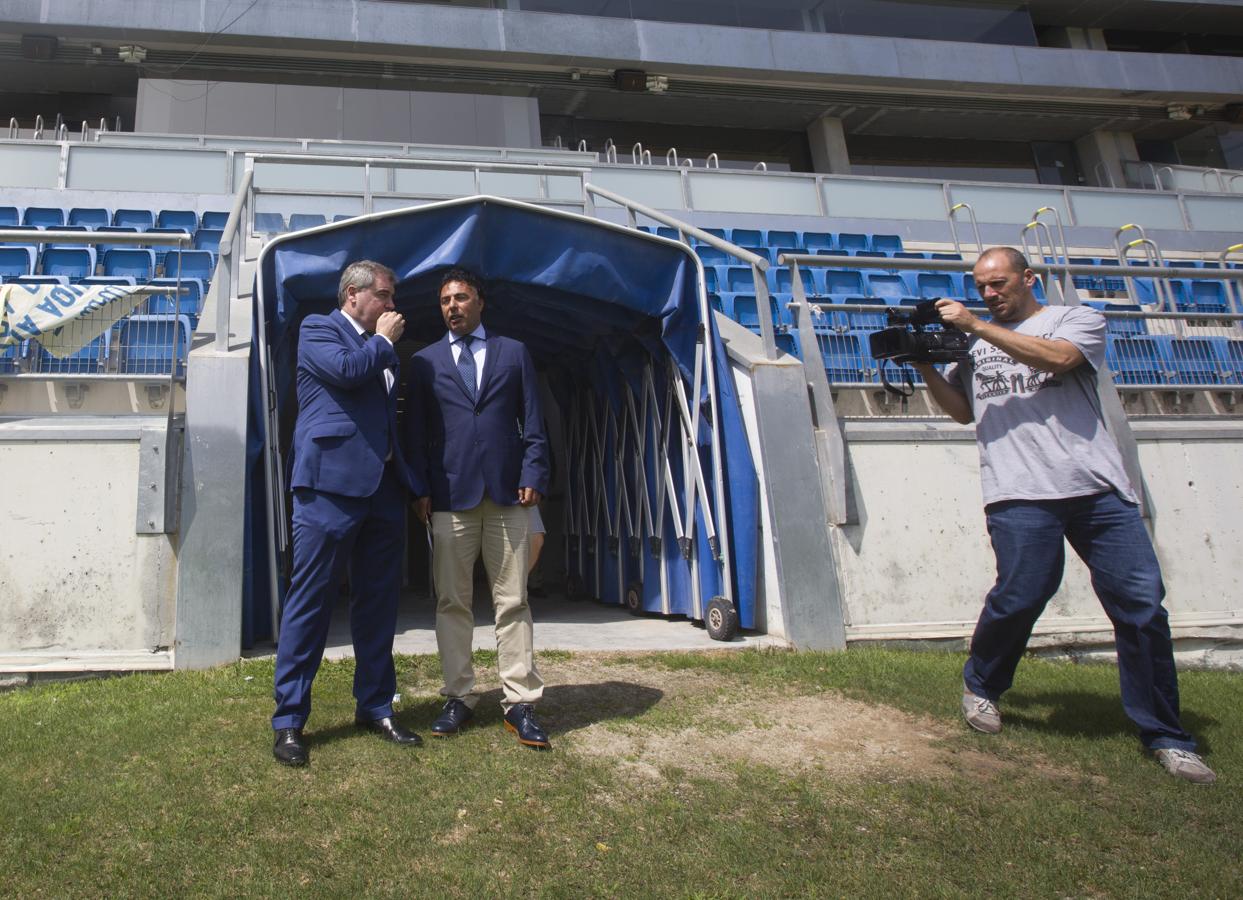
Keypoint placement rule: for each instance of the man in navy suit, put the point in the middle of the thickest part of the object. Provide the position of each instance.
(476, 438)
(349, 484)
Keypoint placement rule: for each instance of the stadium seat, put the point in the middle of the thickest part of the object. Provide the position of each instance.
(185, 219)
(910, 254)
(298, 221)
(891, 287)
(1229, 355)
(10, 357)
(43, 217)
(890, 243)
(91, 217)
(710, 279)
(16, 261)
(1134, 360)
(90, 360)
(214, 219)
(1124, 326)
(945, 256)
(787, 342)
(851, 242)
(138, 219)
(208, 239)
(710, 256)
(714, 300)
(1207, 296)
(162, 250)
(146, 344)
(189, 264)
(816, 241)
(342, 217)
(746, 310)
(61, 280)
(782, 280)
(269, 223)
(844, 358)
(845, 284)
(938, 284)
(737, 279)
(10, 215)
(189, 302)
(1191, 361)
(747, 237)
(133, 261)
(74, 263)
(782, 238)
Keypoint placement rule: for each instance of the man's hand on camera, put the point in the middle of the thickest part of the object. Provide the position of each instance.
(954, 313)
(391, 325)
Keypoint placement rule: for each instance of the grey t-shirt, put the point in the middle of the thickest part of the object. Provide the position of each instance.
(1042, 436)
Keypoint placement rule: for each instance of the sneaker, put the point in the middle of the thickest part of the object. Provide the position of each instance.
(1185, 765)
(981, 713)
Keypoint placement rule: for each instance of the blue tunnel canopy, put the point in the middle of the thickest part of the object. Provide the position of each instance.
(587, 298)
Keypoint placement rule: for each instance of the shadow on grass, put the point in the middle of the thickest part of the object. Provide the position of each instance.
(1085, 714)
(565, 707)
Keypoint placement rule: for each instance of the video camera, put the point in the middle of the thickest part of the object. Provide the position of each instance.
(907, 339)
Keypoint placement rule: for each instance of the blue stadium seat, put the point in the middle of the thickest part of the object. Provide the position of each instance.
(879, 253)
(189, 264)
(945, 256)
(1134, 360)
(91, 217)
(783, 238)
(710, 279)
(710, 256)
(910, 254)
(342, 217)
(746, 310)
(889, 286)
(782, 280)
(714, 300)
(133, 261)
(74, 263)
(208, 239)
(138, 219)
(102, 246)
(815, 241)
(146, 344)
(746, 237)
(10, 215)
(185, 219)
(1087, 282)
(715, 232)
(43, 217)
(1229, 355)
(1208, 296)
(189, 302)
(62, 280)
(851, 241)
(844, 359)
(16, 260)
(1191, 361)
(787, 342)
(737, 279)
(844, 283)
(1124, 326)
(298, 221)
(162, 250)
(938, 284)
(90, 360)
(214, 219)
(11, 356)
(890, 243)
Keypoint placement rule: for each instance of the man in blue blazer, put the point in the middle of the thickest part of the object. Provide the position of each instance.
(476, 439)
(349, 482)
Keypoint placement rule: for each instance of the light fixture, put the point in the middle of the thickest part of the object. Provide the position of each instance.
(132, 53)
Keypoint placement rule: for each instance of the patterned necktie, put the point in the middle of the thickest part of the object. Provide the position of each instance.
(466, 364)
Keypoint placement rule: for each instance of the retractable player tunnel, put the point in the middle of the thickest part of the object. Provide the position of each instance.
(658, 506)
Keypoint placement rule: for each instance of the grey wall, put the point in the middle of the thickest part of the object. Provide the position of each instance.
(310, 111)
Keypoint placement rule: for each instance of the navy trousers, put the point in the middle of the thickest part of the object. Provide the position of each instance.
(1110, 537)
(334, 536)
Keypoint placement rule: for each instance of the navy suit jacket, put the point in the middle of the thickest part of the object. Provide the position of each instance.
(462, 450)
(347, 419)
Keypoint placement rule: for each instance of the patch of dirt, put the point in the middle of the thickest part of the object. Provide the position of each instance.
(704, 720)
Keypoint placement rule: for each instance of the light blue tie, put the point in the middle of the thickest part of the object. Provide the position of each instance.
(466, 365)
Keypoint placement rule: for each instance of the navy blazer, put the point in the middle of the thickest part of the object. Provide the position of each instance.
(346, 414)
(460, 449)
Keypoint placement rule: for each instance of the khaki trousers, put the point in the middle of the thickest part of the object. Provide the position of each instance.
(500, 532)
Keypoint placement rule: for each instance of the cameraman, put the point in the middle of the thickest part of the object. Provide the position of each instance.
(1051, 471)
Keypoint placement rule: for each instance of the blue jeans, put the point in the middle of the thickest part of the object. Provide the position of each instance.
(1110, 538)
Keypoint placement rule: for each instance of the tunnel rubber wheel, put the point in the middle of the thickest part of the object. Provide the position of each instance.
(634, 598)
(721, 620)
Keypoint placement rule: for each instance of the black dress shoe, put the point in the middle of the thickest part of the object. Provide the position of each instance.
(290, 748)
(452, 718)
(390, 731)
(521, 721)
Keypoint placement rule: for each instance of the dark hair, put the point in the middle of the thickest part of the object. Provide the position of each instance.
(466, 276)
(1016, 259)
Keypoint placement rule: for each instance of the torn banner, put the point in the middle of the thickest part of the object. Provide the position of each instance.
(63, 318)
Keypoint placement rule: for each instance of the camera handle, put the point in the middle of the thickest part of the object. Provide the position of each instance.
(908, 383)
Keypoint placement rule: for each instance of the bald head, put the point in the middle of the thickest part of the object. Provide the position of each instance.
(1005, 282)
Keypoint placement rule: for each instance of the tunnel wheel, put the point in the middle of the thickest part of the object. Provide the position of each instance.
(721, 620)
(634, 598)
(573, 588)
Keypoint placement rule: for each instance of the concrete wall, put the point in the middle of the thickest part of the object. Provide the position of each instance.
(79, 588)
(335, 113)
(918, 564)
